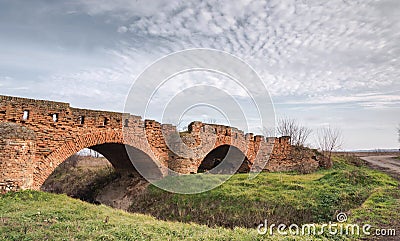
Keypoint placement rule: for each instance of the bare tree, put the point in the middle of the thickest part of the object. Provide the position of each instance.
(290, 127)
(286, 127)
(303, 133)
(329, 139)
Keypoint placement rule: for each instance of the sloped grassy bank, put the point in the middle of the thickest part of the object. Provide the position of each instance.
(32, 215)
(366, 196)
(279, 197)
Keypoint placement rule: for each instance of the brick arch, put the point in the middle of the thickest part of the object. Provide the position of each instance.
(233, 155)
(28, 162)
(109, 143)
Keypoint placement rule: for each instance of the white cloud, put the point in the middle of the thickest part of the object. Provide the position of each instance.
(299, 47)
(310, 52)
(373, 100)
(122, 29)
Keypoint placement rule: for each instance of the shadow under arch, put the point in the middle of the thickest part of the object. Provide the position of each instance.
(225, 159)
(107, 180)
(123, 157)
(126, 158)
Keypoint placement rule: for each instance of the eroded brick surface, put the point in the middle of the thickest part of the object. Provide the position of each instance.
(37, 135)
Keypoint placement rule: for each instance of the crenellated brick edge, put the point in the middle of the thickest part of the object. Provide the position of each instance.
(37, 135)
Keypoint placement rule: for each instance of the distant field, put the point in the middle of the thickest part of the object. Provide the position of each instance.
(370, 153)
(365, 195)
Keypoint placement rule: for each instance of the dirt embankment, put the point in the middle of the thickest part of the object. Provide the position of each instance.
(94, 180)
(122, 191)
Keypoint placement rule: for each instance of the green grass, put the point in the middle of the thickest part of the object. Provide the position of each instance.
(31, 215)
(279, 197)
(229, 212)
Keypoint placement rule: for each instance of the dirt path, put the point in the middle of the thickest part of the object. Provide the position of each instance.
(391, 165)
(386, 163)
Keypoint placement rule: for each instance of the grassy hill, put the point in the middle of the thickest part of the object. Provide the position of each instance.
(280, 197)
(367, 196)
(32, 215)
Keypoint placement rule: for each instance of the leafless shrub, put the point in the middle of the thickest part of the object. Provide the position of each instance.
(291, 127)
(329, 139)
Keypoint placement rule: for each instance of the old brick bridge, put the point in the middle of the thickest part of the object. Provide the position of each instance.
(37, 135)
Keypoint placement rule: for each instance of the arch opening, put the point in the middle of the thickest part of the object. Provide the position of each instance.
(81, 175)
(128, 159)
(104, 175)
(225, 159)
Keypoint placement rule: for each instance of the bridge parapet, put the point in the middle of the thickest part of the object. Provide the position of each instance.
(58, 130)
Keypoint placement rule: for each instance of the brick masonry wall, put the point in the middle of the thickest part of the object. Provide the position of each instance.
(17, 153)
(38, 135)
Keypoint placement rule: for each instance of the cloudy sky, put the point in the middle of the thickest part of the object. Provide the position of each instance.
(323, 62)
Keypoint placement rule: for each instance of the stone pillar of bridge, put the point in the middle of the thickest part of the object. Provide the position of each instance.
(17, 157)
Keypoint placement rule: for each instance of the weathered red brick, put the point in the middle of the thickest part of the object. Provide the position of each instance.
(30, 149)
